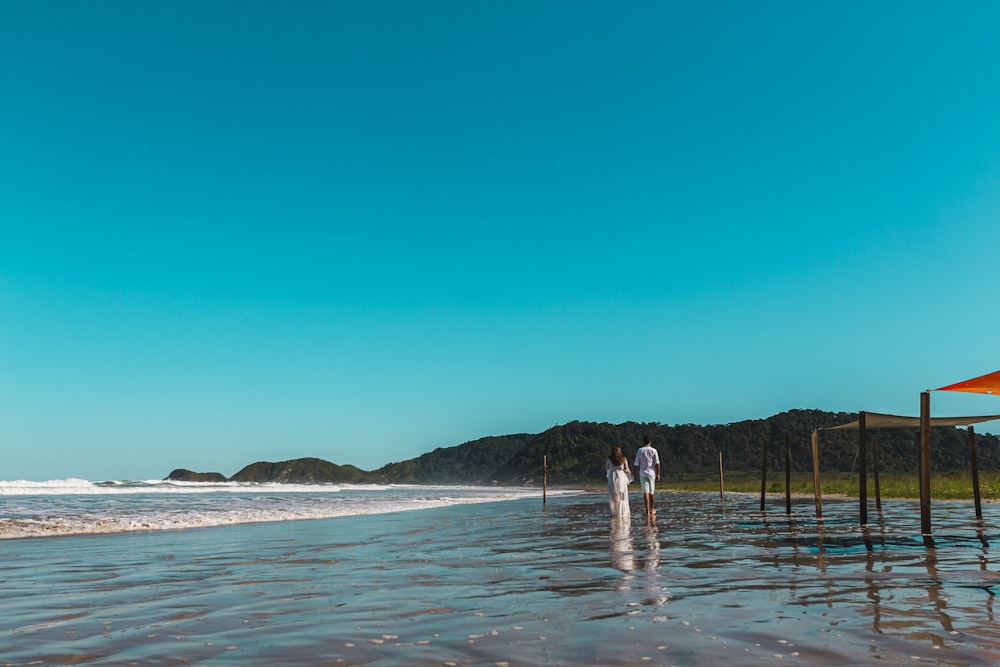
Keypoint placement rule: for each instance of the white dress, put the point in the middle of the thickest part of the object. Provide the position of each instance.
(618, 489)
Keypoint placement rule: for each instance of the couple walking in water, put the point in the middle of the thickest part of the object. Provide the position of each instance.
(647, 460)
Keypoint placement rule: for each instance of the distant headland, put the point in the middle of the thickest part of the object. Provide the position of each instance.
(296, 471)
(575, 453)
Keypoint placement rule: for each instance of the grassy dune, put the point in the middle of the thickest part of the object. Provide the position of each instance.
(944, 485)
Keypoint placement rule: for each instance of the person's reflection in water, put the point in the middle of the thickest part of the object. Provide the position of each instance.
(652, 577)
(651, 547)
(622, 550)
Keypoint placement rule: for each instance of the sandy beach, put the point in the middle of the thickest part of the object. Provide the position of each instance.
(513, 583)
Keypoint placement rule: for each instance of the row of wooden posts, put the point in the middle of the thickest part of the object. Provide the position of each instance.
(924, 472)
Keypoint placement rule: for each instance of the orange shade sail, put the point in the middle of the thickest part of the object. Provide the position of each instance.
(984, 384)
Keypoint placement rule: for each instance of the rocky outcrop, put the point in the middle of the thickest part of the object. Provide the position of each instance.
(183, 475)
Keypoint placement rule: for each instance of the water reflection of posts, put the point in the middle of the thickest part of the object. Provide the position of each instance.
(934, 593)
(873, 593)
(975, 472)
(796, 561)
(821, 562)
(984, 562)
(866, 532)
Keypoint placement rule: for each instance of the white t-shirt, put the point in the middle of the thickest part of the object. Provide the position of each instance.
(647, 458)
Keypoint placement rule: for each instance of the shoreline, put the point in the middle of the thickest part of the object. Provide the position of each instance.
(511, 583)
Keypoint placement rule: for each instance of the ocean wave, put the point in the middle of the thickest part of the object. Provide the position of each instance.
(153, 520)
(119, 487)
(79, 507)
(74, 486)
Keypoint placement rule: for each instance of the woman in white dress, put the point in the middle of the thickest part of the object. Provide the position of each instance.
(618, 479)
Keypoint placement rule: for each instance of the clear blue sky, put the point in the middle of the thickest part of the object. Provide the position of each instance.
(242, 231)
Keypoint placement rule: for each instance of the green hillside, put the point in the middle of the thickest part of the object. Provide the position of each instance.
(576, 451)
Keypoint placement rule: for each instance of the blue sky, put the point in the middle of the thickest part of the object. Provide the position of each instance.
(243, 231)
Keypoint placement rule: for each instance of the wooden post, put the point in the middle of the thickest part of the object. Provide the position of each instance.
(763, 474)
(545, 477)
(863, 470)
(722, 485)
(816, 487)
(975, 472)
(878, 487)
(925, 463)
(788, 473)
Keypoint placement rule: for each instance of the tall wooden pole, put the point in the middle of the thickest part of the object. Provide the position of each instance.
(925, 463)
(722, 485)
(878, 487)
(816, 487)
(545, 477)
(788, 473)
(975, 472)
(763, 474)
(863, 476)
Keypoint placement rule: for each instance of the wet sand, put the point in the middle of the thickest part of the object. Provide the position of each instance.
(513, 583)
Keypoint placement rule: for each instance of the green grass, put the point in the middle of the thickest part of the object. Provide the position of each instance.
(944, 485)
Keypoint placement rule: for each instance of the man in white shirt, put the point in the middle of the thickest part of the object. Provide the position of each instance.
(647, 460)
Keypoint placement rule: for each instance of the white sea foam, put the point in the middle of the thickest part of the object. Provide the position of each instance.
(75, 506)
(84, 487)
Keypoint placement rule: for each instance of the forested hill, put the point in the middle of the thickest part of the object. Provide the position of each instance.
(576, 451)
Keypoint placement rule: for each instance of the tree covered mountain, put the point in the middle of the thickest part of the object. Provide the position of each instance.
(301, 471)
(575, 452)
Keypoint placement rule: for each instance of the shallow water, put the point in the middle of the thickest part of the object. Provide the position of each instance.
(513, 583)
